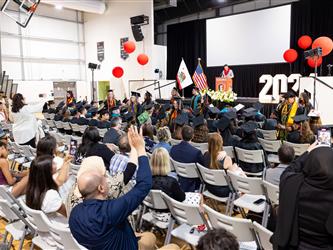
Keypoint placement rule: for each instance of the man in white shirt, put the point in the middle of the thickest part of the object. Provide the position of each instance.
(227, 72)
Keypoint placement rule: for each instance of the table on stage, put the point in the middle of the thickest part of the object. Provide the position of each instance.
(223, 84)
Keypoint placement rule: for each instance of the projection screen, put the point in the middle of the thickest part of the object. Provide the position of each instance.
(255, 37)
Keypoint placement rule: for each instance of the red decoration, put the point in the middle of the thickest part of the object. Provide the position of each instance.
(143, 59)
(129, 47)
(304, 42)
(117, 72)
(290, 55)
(312, 62)
(325, 43)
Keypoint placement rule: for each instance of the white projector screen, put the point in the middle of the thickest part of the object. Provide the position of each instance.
(255, 37)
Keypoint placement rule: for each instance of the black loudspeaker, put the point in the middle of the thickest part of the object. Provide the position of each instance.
(137, 33)
(92, 66)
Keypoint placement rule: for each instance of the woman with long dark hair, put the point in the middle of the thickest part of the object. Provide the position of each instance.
(42, 191)
(91, 146)
(70, 100)
(25, 125)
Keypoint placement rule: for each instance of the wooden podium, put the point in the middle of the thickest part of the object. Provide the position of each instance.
(223, 84)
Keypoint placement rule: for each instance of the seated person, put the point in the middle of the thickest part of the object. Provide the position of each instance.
(286, 156)
(301, 131)
(59, 115)
(163, 136)
(200, 130)
(94, 118)
(218, 239)
(184, 152)
(148, 135)
(119, 161)
(42, 191)
(66, 115)
(225, 126)
(250, 141)
(116, 183)
(16, 182)
(98, 223)
(113, 134)
(216, 158)
(91, 146)
(82, 119)
(76, 116)
(160, 167)
(104, 119)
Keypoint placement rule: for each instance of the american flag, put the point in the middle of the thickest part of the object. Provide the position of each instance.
(199, 78)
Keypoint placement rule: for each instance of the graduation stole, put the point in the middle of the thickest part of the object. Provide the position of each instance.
(69, 100)
(292, 112)
(111, 103)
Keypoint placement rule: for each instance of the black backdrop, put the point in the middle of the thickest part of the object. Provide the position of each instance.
(188, 41)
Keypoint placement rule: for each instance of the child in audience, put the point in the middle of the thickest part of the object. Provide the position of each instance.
(218, 239)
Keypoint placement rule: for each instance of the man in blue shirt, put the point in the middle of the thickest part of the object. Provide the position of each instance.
(98, 223)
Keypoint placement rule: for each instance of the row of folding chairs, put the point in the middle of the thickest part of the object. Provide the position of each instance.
(244, 190)
(188, 216)
(20, 154)
(23, 221)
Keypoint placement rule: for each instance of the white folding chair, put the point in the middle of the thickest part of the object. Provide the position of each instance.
(241, 228)
(102, 132)
(264, 236)
(270, 147)
(252, 157)
(187, 170)
(153, 201)
(37, 220)
(203, 147)
(82, 128)
(298, 147)
(67, 127)
(272, 198)
(51, 123)
(230, 151)
(247, 191)
(59, 125)
(174, 142)
(217, 178)
(268, 134)
(186, 216)
(75, 128)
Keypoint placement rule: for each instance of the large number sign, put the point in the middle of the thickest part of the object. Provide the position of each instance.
(279, 84)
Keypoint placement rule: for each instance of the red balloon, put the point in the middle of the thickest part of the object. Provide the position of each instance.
(304, 42)
(290, 55)
(117, 72)
(312, 62)
(143, 59)
(325, 43)
(129, 47)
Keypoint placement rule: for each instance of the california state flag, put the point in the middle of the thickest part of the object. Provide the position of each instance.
(183, 76)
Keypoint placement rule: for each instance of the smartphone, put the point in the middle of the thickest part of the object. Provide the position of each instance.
(73, 147)
(324, 137)
(259, 201)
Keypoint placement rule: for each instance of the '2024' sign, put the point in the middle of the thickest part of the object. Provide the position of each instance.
(279, 84)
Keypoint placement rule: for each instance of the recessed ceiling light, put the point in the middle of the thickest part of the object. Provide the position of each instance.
(58, 7)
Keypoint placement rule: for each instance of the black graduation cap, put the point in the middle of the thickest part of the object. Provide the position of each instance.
(196, 112)
(249, 112)
(290, 93)
(214, 110)
(198, 121)
(114, 108)
(125, 100)
(123, 110)
(222, 123)
(136, 94)
(110, 90)
(161, 116)
(73, 112)
(308, 93)
(181, 119)
(149, 106)
(100, 102)
(166, 107)
(103, 112)
(258, 106)
(300, 118)
(249, 127)
(61, 104)
(128, 117)
(231, 114)
(78, 105)
(93, 111)
(148, 94)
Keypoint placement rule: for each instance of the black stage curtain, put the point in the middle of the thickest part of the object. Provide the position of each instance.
(188, 40)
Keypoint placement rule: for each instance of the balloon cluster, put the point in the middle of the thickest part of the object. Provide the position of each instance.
(304, 42)
(130, 47)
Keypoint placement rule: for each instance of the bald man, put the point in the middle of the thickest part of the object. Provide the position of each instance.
(97, 223)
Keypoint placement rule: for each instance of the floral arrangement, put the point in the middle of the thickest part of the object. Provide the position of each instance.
(222, 96)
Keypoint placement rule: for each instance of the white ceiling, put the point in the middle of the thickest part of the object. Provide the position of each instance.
(91, 6)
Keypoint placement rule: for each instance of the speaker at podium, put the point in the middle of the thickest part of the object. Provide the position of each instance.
(223, 84)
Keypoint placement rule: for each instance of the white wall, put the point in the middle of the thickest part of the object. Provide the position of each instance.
(112, 26)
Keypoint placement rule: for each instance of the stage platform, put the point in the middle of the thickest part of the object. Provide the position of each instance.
(246, 101)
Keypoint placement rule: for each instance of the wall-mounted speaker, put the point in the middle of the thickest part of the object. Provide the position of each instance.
(137, 33)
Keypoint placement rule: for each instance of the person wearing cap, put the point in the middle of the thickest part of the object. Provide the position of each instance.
(227, 72)
(196, 98)
(250, 141)
(225, 126)
(70, 100)
(176, 110)
(104, 119)
(113, 134)
(180, 122)
(147, 100)
(134, 105)
(82, 116)
(200, 129)
(184, 152)
(301, 132)
(98, 223)
(174, 94)
(110, 101)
